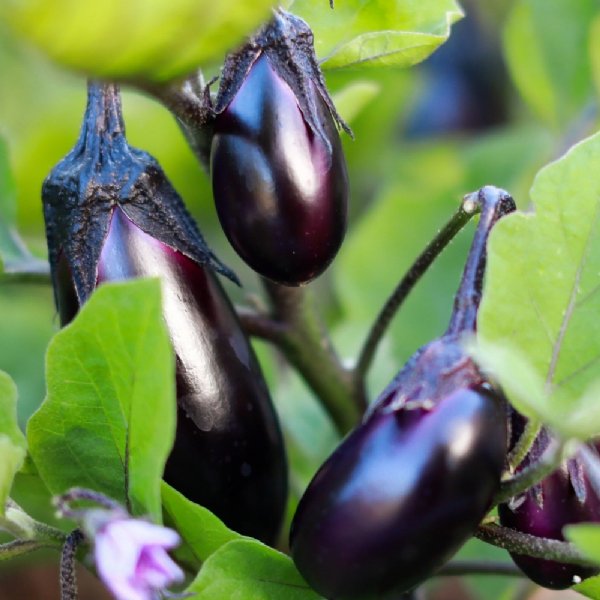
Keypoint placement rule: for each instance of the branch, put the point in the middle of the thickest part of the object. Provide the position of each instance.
(21, 547)
(412, 276)
(260, 325)
(28, 270)
(530, 545)
(524, 444)
(68, 575)
(548, 462)
(298, 332)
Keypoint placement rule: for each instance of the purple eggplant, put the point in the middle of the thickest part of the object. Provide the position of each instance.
(277, 166)
(410, 484)
(111, 215)
(563, 498)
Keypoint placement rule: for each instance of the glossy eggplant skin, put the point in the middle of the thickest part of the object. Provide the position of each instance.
(407, 487)
(411, 483)
(563, 498)
(111, 214)
(228, 455)
(280, 190)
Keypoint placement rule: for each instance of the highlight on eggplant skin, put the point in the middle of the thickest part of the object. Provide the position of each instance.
(277, 166)
(228, 454)
(565, 497)
(408, 486)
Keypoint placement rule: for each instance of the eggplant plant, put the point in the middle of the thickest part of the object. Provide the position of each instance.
(216, 432)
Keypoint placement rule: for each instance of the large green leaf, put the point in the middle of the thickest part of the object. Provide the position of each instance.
(201, 531)
(12, 440)
(547, 53)
(378, 32)
(539, 316)
(157, 40)
(108, 421)
(249, 570)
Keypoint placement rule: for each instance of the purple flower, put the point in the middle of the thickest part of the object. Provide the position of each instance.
(131, 558)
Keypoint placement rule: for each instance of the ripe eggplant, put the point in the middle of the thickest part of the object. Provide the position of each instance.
(563, 498)
(411, 483)
(111, 214)
(278, 170)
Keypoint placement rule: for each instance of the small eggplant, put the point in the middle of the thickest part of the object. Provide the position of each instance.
(563, 498)
(278, 170)
(411, 483)
(111, 214)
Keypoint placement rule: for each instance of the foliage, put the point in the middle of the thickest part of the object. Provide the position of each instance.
(108, 421)
(546, 263)
(109, 375)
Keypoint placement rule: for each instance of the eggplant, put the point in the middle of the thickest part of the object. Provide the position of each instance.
(408, 486)
(278, 170)
(564, 497)
(111, 214)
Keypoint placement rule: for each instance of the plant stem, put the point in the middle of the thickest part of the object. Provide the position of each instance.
(592, 466)
(23, 527)
(458, 568)
(412, 276)
(493, 204)
(523, 480)
(529, 545)
(21, 547)
(301, 336)
(68, 575)
(189, 102)
(26, 270)
(524, 444)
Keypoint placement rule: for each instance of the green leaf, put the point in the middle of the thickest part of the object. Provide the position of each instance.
(548, 57)
(589, 588)
(595, 52)
(201, 531)
(12, 440)
(378, 32)
(587, 538)
(541, 298)
(249, 570)
(10, 247)
(156, 40)
(352, 99)
(108, 421)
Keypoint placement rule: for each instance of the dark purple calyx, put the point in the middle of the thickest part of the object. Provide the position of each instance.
(102, 172)
(288, 42)
(411, 483)
(563, 498)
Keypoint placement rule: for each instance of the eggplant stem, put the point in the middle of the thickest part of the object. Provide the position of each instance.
(524, 444)
(460, 218)
(530, 545)
(68, 577)
(592, 466)
(21, 547)
(548, 462)
(493, 204)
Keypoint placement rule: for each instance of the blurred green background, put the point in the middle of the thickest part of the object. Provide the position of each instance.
(513, 88)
